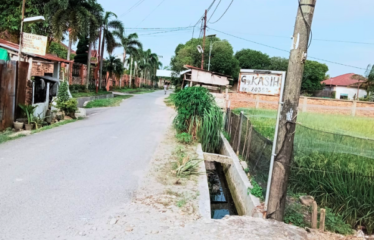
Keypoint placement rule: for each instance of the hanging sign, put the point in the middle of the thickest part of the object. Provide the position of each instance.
(260, 82)
(34, 44)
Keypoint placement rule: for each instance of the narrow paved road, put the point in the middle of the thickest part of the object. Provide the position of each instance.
(54, 182)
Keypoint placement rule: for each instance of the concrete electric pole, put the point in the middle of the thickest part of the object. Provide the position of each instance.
(202, 55)
(287, 121)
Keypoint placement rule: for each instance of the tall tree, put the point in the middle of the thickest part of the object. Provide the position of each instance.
(70, 16)
(130, 43)
(251, 59)
(108, 37)
(82, 51)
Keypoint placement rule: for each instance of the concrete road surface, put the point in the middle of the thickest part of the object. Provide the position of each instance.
(54, 182)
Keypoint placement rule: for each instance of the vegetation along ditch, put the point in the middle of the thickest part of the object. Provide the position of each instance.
(200, 119)
(331, 163)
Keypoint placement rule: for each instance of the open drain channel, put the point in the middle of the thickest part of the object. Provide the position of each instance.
(221, 202)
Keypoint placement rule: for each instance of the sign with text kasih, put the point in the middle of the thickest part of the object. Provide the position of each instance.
(34, 44)
(260, 83)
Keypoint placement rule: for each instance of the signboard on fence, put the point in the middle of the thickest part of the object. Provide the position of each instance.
(260, 82)
(34, 44)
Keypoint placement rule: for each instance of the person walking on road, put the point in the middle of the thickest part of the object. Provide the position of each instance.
(165, 87)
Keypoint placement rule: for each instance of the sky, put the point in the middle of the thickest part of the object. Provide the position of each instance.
(268, 22)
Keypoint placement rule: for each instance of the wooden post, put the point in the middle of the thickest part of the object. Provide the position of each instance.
(322, 220)
(305, 101)
(314, 215)
(288, 115)
(354, 104)
(240, 132)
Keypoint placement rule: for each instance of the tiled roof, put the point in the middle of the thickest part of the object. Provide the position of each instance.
(15, 47)
(342, 80)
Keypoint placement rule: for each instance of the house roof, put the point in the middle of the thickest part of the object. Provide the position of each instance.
(344, 80)
(15, 47)
(199, 69)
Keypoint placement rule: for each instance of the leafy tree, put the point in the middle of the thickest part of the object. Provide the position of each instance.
(278, 64)
(251, 59)
(82, 51)
(59, 50)
(314, 74)
(10, 15)
(222, 60)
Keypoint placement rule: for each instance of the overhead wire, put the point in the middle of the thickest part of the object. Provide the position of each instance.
(283, 50)
(223, 13)
(215, 10)
(151, 12)
(138, 3)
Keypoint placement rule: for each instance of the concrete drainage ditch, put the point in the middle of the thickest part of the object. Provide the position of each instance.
(224, 187)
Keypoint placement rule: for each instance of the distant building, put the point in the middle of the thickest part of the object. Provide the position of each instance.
(345, 87)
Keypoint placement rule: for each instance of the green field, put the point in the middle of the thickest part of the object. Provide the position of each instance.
(89, 94)
(264, 122)
(333, 161)
(107, 102)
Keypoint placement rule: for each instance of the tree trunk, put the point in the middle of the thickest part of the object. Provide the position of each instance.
(130, 82)
(102, 58)
(88, 65)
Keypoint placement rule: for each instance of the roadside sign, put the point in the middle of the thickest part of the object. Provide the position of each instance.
(260, 81)
(34, 44)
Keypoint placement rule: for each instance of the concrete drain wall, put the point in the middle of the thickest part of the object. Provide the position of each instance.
(238, 183)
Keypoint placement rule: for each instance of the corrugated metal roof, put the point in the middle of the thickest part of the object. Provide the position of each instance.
(15, 47)
(199, 69)
(342, 80)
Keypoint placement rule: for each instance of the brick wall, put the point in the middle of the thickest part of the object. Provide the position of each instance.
(41, 69)
(306, 104)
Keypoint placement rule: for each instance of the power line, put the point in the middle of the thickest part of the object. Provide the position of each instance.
(283, 50)
(138, 3)
(224, 12)
(215, 10)
(151, 12)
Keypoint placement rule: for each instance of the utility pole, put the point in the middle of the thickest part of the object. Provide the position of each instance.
(202, 55)
(287, 120)
(20, 37)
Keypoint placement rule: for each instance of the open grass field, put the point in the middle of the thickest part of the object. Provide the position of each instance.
(107, 102)
(264, 122)
(333, 161)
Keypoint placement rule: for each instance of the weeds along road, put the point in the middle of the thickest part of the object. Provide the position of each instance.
(54, 182)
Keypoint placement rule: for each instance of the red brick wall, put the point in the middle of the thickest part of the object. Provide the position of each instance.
(318, 105)
(39, 70)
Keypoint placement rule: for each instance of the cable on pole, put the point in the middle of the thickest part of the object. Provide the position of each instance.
(308, 27)
(224, 12)
(215, 9)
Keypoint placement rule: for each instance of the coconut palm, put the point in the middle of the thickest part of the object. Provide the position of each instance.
(114, 66)
(108, 37)
(130, 43)
(69, 15)
(93, 31)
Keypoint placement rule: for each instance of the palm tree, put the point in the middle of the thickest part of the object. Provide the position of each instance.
(130, 44)
(108, 37)
(114, 66)
(69, 15)
(97, 11)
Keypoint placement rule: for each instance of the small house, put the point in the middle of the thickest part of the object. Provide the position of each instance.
(345, 87)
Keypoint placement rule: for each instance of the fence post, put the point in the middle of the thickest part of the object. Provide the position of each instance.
(322, 220)
(305, 100)
(314, 215)
(240, 132)
(257, 101)
(354, 104)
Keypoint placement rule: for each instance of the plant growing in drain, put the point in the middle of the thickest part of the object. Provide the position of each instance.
(256, 190)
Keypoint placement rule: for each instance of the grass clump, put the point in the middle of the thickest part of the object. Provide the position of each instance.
(199, 116)
(185, 166)
(256, 190)
(107, 102)
(89, 94)
(184, 138)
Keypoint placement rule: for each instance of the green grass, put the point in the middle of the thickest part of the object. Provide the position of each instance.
(333, 161)
(169, 101)
(134, 90)
(89, 94)
(107, 102)
(264, 122)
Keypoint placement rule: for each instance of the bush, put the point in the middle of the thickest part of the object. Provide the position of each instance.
(184, 138)
(69, 106)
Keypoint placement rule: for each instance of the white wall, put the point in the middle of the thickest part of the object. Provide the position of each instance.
(350, 91)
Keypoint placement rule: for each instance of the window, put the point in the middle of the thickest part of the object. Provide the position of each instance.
(39, 90)
(343, 96)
